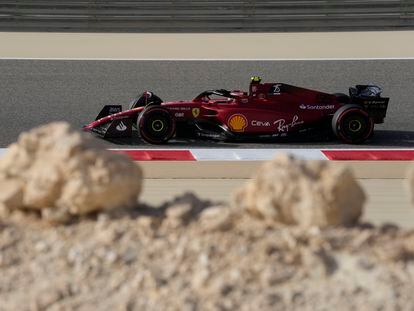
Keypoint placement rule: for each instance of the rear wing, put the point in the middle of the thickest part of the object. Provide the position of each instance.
(376, 107)
(369, 97)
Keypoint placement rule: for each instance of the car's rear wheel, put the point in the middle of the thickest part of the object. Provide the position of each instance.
(352, 125)
(156, 125)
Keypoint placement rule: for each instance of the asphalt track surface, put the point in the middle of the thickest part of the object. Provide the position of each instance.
(34, 92)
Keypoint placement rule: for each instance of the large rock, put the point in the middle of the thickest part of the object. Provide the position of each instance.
(11, 195)
(64, 172)
(305, 193)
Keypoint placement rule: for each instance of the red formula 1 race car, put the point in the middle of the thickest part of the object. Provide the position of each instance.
(268, 110)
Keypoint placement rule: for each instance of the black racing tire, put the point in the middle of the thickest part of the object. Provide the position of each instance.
(342, 98)
(144, 101)
(156, 125)
(352, 124)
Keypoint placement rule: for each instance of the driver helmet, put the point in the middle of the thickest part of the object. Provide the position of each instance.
(254, 83)
(255, 79)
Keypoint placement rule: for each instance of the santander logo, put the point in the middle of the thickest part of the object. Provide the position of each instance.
(317, 107)
(121, 127)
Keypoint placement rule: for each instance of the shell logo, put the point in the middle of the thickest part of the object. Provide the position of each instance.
(237, 122)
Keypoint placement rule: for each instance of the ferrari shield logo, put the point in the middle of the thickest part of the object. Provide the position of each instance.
(196, 112)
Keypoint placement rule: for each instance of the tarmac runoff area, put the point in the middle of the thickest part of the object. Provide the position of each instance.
(228, 46)
(384, 182)
(387, 199)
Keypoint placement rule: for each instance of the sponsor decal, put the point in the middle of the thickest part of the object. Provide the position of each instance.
(117, 117)
(208, 135)
(283, 126)
(113, 110)
(375, 102)
(121, 127)
(260, 123)
(179, 114)
(196, 112)
(179, 108)
(147, 94)
(244, 100)
(279, 135)
(316, 107)
(237, 122)
(275, 90)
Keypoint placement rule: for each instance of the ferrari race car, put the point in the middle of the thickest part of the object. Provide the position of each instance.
(267, 110)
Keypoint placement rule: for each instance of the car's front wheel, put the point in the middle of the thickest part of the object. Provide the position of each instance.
(156, 125)
(352, 124)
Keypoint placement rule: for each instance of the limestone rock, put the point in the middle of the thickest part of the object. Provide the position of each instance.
(305, 193)
(220, 258)
(218, 218)
(65, 172)
(11, 193)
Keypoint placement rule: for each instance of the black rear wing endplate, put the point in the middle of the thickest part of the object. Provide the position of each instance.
(375, 106)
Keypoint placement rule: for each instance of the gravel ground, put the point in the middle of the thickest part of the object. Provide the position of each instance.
(190, 254)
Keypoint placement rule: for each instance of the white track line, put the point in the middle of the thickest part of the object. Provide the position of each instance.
(253, 154)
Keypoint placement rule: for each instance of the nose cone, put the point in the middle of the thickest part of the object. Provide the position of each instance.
(87, 127)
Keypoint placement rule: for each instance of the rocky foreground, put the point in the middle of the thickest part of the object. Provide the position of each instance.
(188, 256)
(73, 236)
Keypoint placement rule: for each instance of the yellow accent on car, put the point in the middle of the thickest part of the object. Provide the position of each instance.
(157, 125)
(196, 112)
(237, 123)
